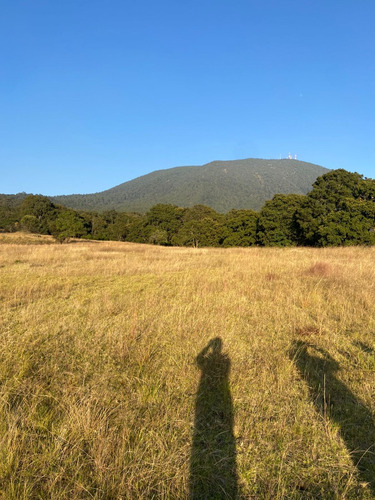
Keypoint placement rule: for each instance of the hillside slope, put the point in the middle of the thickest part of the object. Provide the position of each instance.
(222, 185)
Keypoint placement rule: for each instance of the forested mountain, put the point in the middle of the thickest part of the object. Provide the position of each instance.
(221, 185)
(339, 210)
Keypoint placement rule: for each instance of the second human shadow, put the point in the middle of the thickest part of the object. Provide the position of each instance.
(334, 400)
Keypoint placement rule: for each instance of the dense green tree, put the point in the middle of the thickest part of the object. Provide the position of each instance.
(276, 223)
(97, 224)
(308, 218)
(340, 210)
(158, 236)
(30, 223)
(199, 212)
(201, 226)
(68, 224)
(8, 216)
(42, 209)
(200, 233)
(241, 228)
(333, 188)
(352, 224)
(168, 220)
(139, 231)
(119, 228)
(110, 225)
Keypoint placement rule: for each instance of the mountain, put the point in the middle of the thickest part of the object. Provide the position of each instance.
(222, 185)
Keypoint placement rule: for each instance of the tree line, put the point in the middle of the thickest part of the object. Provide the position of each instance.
(339, 210)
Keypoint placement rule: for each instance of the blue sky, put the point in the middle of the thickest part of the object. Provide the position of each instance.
(95, 93)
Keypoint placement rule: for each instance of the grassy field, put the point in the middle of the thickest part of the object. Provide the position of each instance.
(131, 371)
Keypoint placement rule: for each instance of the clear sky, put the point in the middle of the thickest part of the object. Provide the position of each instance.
(97, 92)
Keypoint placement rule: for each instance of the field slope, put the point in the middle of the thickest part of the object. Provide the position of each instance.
(131, 371)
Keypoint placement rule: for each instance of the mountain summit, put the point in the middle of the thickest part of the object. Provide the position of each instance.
(222, 185)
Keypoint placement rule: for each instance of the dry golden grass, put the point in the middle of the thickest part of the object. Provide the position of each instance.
(98, 373)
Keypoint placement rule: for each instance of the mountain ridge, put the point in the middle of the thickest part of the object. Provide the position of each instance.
(221, 184)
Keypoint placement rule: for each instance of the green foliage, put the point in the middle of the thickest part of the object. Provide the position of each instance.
(340, 211)
(167, 219)
(30, 223)
(159, 237)
(110, 225)
(276, 224)
(202, 226)
(241, 228)
(119, 228)
(42, 209)
(200, 233)
(200, 212)
(68, 224)
(8, 219)
(9, 216)
(333, 188)
(139, 231)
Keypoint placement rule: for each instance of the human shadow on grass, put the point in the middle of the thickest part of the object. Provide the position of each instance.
(335, 401)
(213, 473)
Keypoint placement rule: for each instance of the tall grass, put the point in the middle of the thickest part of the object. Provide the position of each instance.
(99, 375)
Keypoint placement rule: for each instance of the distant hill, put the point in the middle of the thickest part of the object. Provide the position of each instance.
(12, 200)
(222, 185)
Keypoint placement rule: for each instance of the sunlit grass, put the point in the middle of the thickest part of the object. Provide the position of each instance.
(99, 380)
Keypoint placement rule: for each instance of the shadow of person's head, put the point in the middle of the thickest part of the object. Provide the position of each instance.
(308, 356)
(212, 358)
(215, 345)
